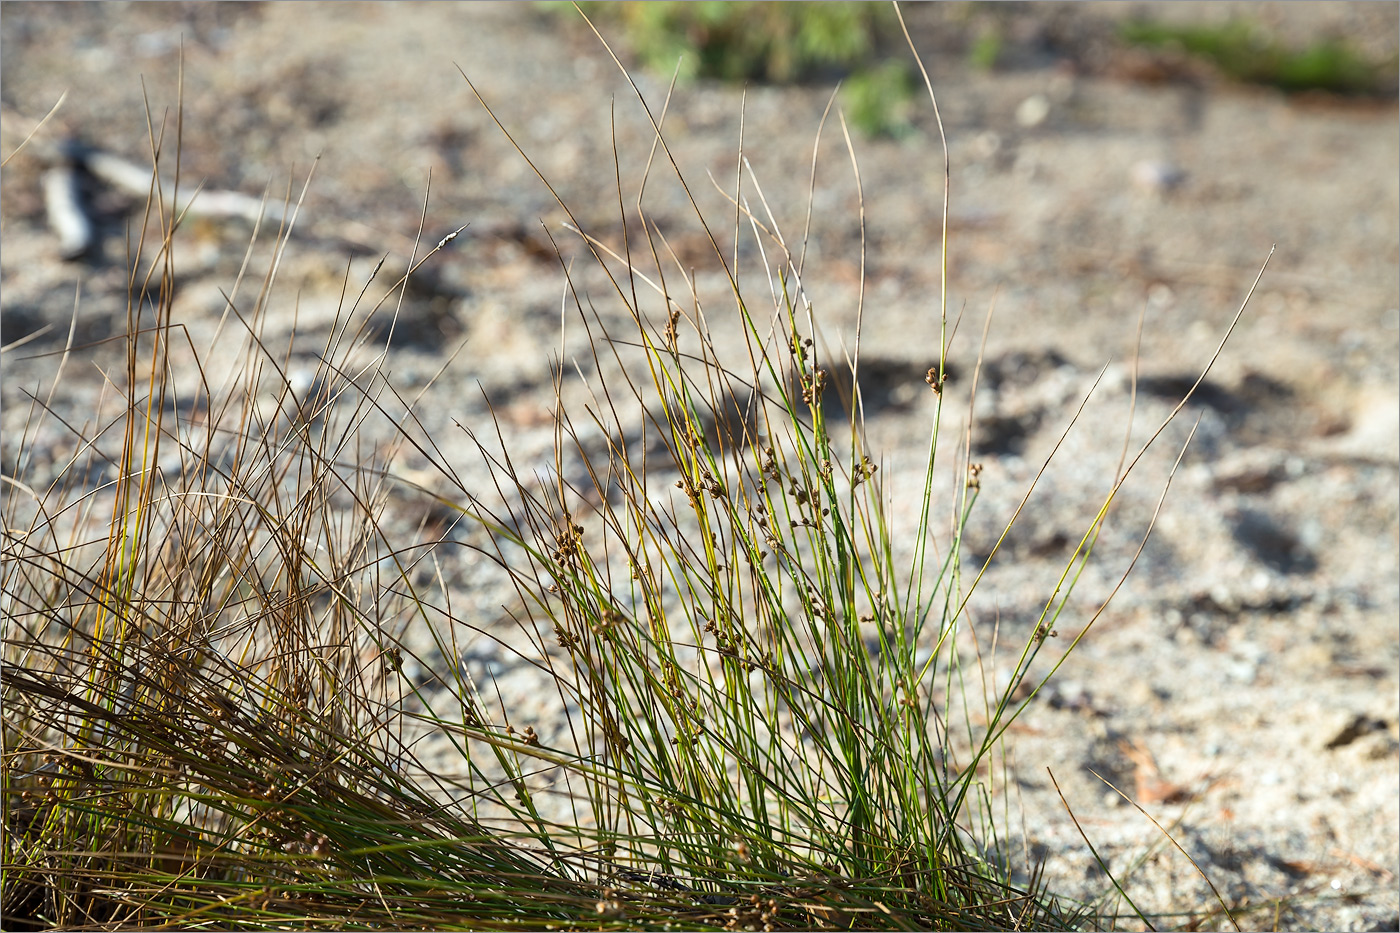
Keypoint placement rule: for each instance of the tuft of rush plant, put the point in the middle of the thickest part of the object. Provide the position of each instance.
(211, 713)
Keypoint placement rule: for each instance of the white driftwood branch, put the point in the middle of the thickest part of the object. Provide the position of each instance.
(63, 204)
(136, 180)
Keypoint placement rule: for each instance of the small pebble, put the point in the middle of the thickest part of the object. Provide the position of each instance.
(1033, 110)
(1156, 177)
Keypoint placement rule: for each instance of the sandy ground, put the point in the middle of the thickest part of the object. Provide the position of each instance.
(1243, 684)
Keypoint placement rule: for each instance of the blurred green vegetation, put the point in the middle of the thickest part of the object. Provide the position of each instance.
(780, 43)
(1244, 52)
(859, 43)
(985, 50)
